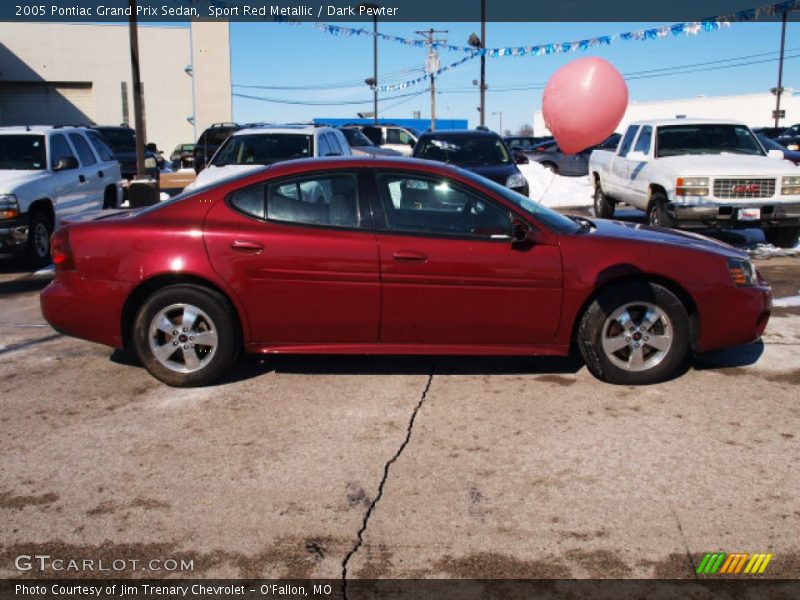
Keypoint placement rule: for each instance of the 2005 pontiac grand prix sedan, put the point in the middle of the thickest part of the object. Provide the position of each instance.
(393, 256)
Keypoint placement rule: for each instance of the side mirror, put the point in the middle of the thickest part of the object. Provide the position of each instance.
(775, 153)
(66, 163)
(638, 157)
(521, 235)
(520, 158)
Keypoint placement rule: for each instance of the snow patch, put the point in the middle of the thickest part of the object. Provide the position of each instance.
(786, 302)
(554, 190)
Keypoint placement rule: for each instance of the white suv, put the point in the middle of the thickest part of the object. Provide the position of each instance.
(263, 145)
(47, 174)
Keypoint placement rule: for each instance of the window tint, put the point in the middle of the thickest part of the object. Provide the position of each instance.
(324, 147)
(82, 148)
(322, 200)
(334, 143)
(643, 141)
(22, 152)
(463, 149)
(262, 149)
(625, 145)
(417, 204)
(59, 149)
(100, 145)
(249, 200)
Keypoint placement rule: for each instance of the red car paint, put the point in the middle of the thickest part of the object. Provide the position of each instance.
(322, 290)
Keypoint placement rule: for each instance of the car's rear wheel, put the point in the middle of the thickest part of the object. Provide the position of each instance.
(551, 167)
(657, 215)
(40, 228)
(185, 335)
(603, 206)
(110, 197)
(636, 333)
(783, 237)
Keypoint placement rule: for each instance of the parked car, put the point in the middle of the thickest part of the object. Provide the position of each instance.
(792, 156)
(770, 132)
(790, 137)
(182, 156)
(210, 140)
(122, 140)
(549, 155)
(525, 143)
(255, 147)
(46, 175)
(481, 151)
(362, 145)
(399, 257)
(700, 173)
(394, 137)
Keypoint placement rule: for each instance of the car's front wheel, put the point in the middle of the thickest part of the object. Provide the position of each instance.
(636, 333)
(185, 335)
(603, 205)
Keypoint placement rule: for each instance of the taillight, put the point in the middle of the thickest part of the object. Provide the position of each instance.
(60, 250)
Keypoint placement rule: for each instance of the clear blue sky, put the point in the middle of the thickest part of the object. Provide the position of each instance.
(271, 54)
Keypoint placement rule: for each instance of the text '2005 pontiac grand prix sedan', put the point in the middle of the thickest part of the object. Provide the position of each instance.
(393, 256)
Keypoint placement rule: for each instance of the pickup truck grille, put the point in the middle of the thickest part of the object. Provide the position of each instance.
(744, 188)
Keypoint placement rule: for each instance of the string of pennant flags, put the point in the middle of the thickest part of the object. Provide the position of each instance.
(421, 78)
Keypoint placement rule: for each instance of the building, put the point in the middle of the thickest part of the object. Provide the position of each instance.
(753, 109)
(60, 73)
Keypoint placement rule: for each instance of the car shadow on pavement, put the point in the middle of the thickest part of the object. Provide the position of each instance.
(23, 285)
(738, 356)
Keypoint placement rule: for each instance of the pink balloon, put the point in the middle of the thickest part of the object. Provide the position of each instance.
(583, 103)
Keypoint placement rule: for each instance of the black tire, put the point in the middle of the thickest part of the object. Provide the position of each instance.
(40, 228)
(600, 326)
(603, 205)
(110, 197)
(213, 316)
(551, 166)
(783, 237)
(657, 215)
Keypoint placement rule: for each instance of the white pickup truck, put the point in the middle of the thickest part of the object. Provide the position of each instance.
(695, 173)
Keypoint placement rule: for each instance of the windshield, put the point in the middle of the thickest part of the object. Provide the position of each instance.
(676, 140)
(464, 150)
(547, 217)
(120, 139)
(22, 152)
(263, 149)
(356, 138)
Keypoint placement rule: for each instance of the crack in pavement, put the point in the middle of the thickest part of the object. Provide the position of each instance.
(382, 484)
(685, 543)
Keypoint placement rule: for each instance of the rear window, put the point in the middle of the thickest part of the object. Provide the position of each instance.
(263, 149)
(464, 150)
(216, 135)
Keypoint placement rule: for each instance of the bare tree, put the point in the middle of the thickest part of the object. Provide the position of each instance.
(525, 130)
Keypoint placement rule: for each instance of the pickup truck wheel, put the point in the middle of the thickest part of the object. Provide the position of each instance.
(184, 335)
(636, 333)
(603, 205)
(110, 197)
(657, 215)
(552, 167)
(783, 237)
(40, 228)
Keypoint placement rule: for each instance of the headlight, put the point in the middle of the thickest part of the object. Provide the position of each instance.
(9, 207)
(691, 186)
(517, 180)
(743, 273)
(790, 185)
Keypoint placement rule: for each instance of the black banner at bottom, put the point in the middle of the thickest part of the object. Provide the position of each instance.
(400, 589)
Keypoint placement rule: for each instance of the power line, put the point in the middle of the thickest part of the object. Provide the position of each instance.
(388, 77)
(319, 102)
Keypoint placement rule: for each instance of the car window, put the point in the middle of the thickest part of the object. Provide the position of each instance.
(22, 152)
(59, 149)
(463, 149)
(643, 141)
(81, 146)
(625, 145)
(397, 136)
(436, 205)
(262, 149)
(330, 200)
(100, 145)
(334, 143)
(324, 147)
(249, 200)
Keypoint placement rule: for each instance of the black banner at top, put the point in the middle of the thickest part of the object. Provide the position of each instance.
(93, 11)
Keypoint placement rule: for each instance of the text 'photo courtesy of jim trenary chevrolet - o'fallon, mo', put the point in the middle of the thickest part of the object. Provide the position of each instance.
(457, 299)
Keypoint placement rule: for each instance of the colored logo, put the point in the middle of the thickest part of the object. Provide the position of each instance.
(740, 563)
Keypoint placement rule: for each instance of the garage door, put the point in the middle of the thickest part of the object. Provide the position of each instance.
(46, 104)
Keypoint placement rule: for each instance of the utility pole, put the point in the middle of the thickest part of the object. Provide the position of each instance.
(138, 115)
(779, 89)
(480, 44)
(373, 81)
(432, 65)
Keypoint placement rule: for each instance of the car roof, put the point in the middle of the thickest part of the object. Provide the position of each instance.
(287, 129)
(693, 121)
(38, 129)
(461, 133)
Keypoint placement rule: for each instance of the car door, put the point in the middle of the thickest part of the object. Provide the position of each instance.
(94, 177)
(299, 254)
(618, 169)
(637, 182)
(67, 189)
(450, 274)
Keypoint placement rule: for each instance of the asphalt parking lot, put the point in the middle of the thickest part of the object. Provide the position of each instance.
(397, 467)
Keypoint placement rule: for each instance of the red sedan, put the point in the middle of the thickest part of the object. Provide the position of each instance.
(393, 256)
